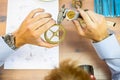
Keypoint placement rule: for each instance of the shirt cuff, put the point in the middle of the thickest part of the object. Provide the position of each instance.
(108, 48)
(5, 51)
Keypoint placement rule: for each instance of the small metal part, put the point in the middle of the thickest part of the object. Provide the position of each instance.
(61, 14)
(110, 23)
(61, 29)
(86, 9)
(59, 33)
(72, 15)
(66, 13)
(76, 3)
(88, 68)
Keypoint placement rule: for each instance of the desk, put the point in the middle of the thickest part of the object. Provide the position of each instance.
(73, 47)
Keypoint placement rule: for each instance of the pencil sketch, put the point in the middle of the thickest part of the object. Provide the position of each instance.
(30, 56)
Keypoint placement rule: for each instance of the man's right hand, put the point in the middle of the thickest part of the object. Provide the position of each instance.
(95, 26)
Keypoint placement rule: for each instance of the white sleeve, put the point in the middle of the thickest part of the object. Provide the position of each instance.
(5, 51)
(109, 51)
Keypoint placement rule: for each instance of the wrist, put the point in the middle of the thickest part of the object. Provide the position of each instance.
(10, 40)
(18, 41)
(101, 38)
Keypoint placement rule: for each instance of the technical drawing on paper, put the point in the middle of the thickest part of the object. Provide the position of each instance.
(30, 56)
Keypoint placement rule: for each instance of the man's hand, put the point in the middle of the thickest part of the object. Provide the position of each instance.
(94, 27)
(35, 24)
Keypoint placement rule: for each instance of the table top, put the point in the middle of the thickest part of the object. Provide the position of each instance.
(74, 47)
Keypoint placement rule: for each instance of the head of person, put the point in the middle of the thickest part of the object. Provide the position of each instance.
(68, 71)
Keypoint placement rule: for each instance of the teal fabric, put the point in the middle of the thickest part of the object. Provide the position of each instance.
(108, 8)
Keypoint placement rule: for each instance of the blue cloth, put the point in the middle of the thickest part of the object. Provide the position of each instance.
(108, 8)
(109, 51)
(5, 51)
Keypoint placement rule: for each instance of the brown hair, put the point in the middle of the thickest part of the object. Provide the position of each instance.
(68, 71)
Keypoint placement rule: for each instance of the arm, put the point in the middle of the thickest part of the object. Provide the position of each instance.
(109, 51)
(5, 51)
(29, 32)
(107, 47)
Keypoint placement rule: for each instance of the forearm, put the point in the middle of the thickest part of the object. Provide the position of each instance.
(5, 51)
(109, 51)
(108, 48)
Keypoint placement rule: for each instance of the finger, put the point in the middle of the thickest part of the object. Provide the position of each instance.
(100, 18)
(45, 27)
(78, 27)
(85, 17)
(45, 44)
(92, 15)
(39, 23)
(82, 23)
(48, 45)
(33, 12)
(39, 16)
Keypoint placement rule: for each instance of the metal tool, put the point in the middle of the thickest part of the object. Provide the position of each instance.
(61, 14)
(69, 14)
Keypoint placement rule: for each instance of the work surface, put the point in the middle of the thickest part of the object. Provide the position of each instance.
(73, 47)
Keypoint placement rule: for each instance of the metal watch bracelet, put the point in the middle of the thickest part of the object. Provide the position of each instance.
(10, 40)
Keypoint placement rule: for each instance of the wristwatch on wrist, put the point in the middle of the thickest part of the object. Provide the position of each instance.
(10, 40)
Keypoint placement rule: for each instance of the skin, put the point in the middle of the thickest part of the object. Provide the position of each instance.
(94, 27)
(34, 25)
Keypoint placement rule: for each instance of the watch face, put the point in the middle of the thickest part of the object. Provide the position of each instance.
(70, 14)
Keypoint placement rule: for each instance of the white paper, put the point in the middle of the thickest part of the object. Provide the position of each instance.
(29, 56)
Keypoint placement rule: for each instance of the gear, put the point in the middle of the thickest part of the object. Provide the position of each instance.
(55, 34)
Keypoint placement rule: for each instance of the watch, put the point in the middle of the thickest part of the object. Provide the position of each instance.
(10, 40)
